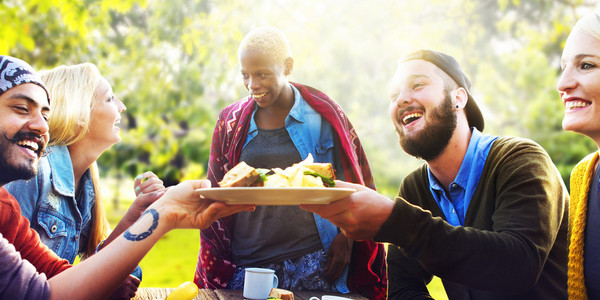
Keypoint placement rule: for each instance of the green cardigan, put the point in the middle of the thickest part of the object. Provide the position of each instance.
(514, 241)
(580, 187)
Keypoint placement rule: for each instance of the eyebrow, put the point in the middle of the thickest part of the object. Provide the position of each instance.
(30, 100)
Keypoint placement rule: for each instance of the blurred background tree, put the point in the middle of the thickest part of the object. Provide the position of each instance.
(174, 64)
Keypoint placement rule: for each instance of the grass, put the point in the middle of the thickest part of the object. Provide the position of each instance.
(173, 259)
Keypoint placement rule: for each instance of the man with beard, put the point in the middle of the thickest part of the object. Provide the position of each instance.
(486, 214)
(28, 269)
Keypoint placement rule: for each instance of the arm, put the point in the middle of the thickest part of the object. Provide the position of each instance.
(148, 188)
(179, 207)
(408, 279)
(18, 278)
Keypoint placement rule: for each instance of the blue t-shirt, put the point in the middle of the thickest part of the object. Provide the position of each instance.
(454, 204)
(591, 250)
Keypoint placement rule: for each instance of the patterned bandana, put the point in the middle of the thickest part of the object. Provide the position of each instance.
(14, 72)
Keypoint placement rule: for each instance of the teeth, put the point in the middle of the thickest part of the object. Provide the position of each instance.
(29, 144)
(576, 104)
(410, 116)
(258, 96)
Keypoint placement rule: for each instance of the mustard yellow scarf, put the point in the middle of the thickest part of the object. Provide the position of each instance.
(581, 178)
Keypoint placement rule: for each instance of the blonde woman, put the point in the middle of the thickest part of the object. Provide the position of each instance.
(62, 202)
(579, 88)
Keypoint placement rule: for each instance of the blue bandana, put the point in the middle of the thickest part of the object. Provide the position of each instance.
(14, 72)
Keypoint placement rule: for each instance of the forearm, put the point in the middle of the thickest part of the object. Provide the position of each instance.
(488, 259)
(98, 276)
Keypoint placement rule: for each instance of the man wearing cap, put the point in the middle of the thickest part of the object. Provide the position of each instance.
(486, 214)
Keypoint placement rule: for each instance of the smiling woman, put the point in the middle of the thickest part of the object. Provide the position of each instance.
(579, 88)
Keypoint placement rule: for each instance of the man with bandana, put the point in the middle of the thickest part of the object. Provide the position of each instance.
(28, 269)
(486, 214)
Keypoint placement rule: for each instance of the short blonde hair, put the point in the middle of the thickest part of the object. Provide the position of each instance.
(589, 24)
(267, 40)
(72, 90)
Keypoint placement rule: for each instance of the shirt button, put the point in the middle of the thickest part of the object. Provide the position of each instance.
(53, 228)
(454, 185)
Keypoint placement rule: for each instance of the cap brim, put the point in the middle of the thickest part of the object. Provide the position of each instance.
(474, 115)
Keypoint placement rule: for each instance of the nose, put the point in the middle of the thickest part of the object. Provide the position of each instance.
(38, 124)
(566, 81)
(253, 84)
(401, 99)
(121, 106)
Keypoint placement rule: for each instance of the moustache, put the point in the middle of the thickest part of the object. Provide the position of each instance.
(40, 140)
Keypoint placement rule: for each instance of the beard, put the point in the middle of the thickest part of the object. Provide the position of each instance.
(431, 141)
(10, 168)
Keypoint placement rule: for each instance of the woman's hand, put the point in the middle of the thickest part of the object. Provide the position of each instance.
(148, 188)
(338, 257)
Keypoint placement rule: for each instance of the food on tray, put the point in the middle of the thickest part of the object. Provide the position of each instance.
(303, 174)
(242, 175)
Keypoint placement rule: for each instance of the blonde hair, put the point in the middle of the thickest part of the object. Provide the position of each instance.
(589, 24)
(269, 41)
(72, 90)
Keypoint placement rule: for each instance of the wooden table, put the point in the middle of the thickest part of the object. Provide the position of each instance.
(207, 294)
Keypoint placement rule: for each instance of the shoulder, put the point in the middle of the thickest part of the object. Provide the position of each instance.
(9, 204)
(584, 164)
(236, 108)
(517, 148)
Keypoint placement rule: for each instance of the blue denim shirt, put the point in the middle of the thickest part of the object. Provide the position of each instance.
(48, 201)
(454, 204)
(311, 133)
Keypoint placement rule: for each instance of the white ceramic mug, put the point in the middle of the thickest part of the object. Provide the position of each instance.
(259, 282)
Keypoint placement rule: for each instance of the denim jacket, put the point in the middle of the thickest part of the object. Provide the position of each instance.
(311, 133)
(48, 201)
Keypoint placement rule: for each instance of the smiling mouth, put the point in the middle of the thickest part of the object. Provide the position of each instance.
(31, 145)
(258, 96)
(411, 118)
(569, 105)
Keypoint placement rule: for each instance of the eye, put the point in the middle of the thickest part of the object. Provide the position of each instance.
(111, 98)
(244, 75)
(586, 66)
(417, 85)
(262, 75)
(22, 109)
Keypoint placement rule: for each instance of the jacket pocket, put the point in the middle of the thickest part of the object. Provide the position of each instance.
(53, 230)
(323, 149)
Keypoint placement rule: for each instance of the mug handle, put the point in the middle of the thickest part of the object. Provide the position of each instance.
(275, 281)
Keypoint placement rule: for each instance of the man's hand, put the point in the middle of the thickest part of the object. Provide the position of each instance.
(338, 257)
(359, 215)
(184, 208)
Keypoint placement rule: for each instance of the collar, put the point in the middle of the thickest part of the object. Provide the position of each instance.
(475, 151)
(297, 113)
(61, 170)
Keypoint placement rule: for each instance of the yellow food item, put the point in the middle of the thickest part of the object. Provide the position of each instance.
(185, 291)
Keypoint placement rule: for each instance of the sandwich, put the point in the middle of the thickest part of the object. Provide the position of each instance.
(242, 175)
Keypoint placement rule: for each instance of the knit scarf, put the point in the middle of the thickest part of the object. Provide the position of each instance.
(581, 178)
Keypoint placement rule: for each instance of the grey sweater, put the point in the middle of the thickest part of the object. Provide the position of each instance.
(18, 278)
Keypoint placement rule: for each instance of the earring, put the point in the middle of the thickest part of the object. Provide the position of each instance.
(456, 105)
